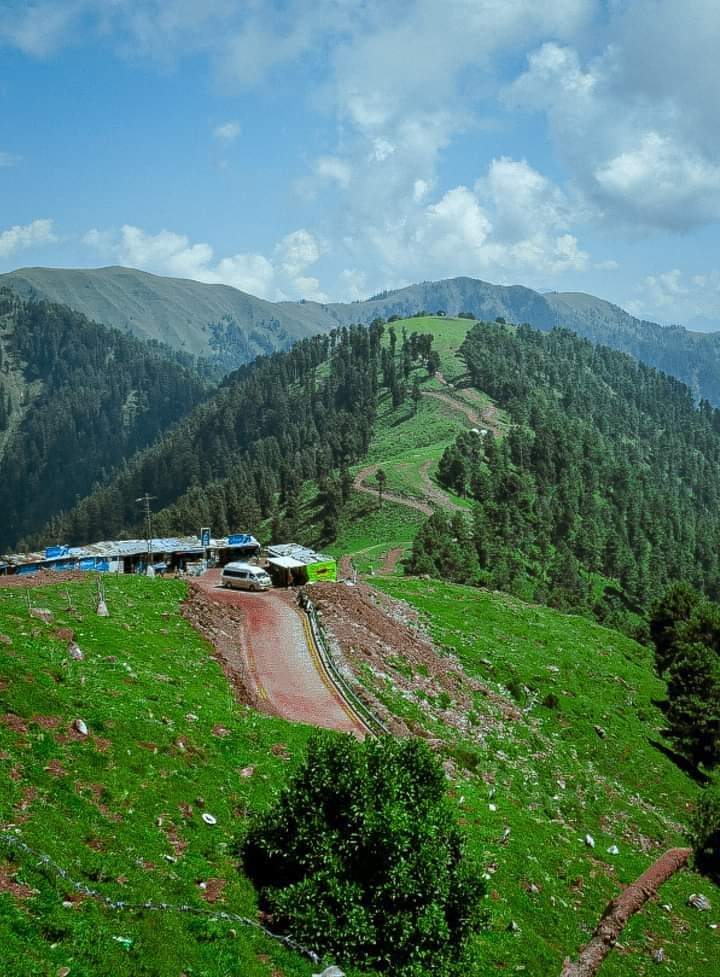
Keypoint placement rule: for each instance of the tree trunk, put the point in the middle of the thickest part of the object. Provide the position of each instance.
(621, 909)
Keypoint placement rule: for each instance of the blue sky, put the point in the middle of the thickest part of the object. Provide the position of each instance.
(331, 149)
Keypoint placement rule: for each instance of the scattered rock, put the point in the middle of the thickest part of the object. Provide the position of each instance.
(602, 733)
(613, 850)
(698, 901)
(208, 818)
(80, 727)
(247, 771)
(65, 634)
(513, 927)
(42, 614)
(330, 972)
(221, 731)
(75, 652)
(659, 955)
(102, 610)
(589, 841)
(5, 639)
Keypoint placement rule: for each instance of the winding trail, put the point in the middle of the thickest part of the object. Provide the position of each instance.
(487, 417)
(368, 472)
(282, 659)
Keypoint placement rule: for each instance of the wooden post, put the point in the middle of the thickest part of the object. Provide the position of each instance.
(621, 909)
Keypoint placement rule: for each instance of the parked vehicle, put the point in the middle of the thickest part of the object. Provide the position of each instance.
(245, 576)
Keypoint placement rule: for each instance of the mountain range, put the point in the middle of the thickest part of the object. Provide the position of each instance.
(231, 327)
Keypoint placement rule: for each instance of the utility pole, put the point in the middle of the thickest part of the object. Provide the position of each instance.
(146, 500)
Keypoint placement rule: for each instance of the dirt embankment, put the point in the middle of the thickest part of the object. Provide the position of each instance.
(43, 578)
(372, 632)
(223, 626)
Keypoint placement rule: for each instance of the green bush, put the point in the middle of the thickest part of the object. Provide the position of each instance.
(361, 858)
(705, 834)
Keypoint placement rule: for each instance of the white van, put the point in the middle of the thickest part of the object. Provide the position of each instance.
(245, 576)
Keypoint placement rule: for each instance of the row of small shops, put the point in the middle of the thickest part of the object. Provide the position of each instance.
(288, 563)
(184, 554)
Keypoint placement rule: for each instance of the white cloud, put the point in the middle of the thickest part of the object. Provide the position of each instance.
(677, 296)
(167, 253)
(19, 237)
(334, 169)
(513, 224)
(639, 123)
(227, 132)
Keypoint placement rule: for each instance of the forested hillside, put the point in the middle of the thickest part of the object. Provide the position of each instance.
(604, 486)
(609, 470)
(76, 399)
(285, 419)
(230, 327)
(219, 323)
(690, 356)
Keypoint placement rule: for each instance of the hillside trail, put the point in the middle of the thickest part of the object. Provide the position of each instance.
(390, 560)
(435, 493)
(487, 417)
(282, 665)
(368, 472)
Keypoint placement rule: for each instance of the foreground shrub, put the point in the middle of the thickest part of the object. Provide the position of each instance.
(361, 858)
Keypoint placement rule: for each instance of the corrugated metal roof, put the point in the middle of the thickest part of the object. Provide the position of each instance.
(109, 549)
(302, 553)
(287, 562)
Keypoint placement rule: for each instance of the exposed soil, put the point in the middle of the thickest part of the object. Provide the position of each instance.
(224, 627)
(264, 643)
(435, 493)
(371, 631)
(391, 559)
(213, 889)
(43, 578)
(18, 890)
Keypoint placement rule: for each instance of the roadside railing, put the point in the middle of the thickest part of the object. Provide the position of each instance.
(373, 724)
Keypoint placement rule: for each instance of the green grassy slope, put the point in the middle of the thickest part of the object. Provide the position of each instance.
(408, 447)
(109, 808)
(579, 761)
(175, 311)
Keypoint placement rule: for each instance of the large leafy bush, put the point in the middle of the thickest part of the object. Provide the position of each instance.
(361, 858)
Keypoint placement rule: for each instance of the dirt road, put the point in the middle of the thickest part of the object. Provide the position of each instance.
(281, 659)
(359, 486)
(487, 417)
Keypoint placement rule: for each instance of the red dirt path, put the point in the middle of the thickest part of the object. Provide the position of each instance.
(280, 662)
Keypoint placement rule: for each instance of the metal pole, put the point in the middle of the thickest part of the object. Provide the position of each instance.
(145, 500)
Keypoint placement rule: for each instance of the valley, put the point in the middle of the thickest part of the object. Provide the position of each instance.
(548, 725)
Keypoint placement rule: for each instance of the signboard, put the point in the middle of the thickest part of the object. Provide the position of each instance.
(322, 571)
(53, 551)
(240, 539)
(205, 536)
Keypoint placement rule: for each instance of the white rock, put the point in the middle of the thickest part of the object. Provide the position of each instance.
(75, 652)
(102, 610)
(589, 841)
(698, 901)
(208, 818)
(330, 972)
(80, 727)
(613, 850)
(659, 955)
(492, 807)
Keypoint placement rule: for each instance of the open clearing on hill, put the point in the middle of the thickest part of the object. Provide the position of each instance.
(121, 807)
(511, 697)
